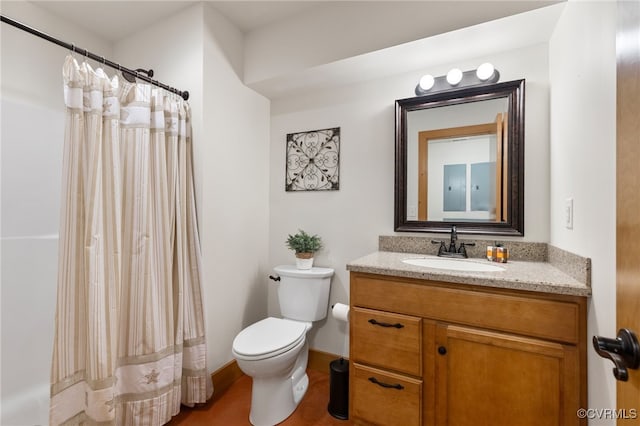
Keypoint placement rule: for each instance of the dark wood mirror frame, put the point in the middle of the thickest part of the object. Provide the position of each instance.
(514, 223)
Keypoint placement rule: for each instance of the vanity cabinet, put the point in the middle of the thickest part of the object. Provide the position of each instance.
(433, 353)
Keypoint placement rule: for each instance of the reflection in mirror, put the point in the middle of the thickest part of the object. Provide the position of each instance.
(451, 172)
(459, 160)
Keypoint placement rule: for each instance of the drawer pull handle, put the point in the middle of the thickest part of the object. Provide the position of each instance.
(385, 324)
(385, 385)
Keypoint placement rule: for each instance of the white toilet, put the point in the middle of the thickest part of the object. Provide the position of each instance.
(274, 351)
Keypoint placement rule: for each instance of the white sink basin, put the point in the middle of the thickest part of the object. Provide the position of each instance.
(453, 264)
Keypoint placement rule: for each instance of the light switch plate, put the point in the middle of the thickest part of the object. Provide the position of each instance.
(568, 213)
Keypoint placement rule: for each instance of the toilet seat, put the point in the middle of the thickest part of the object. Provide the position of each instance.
(268, 338)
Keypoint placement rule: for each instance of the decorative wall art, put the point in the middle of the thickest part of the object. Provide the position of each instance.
(313, 160)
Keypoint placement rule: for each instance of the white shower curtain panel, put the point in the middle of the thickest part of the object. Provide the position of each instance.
(129, 341)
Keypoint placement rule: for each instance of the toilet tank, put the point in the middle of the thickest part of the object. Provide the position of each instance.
(304, 293)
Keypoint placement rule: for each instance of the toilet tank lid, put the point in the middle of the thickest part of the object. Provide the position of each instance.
(292, 271)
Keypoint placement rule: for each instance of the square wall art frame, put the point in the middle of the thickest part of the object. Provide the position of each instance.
(313, 160)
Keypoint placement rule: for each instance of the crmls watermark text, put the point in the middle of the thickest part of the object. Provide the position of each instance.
(607, 413)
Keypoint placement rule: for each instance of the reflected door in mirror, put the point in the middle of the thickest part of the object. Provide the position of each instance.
(471, 156)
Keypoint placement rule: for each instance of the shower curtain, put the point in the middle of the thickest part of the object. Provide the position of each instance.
(129, 342)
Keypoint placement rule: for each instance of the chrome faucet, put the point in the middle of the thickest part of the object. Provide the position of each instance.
(452, 251)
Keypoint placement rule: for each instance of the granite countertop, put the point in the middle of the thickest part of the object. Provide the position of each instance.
(537, 276)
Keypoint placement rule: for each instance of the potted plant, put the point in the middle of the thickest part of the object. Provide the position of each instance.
(304, 245)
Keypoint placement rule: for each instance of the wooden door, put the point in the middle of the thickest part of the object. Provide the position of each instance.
(628, 192)
(498, 379)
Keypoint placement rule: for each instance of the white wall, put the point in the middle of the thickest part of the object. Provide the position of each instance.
(235, 227)
(32, 135)
(582, 68)
(351, 219)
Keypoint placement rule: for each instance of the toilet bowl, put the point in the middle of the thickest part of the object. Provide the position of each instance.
(277, 367)
(275, 351)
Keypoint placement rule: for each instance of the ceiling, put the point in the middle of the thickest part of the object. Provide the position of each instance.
(115, 20)
(250, 15)
(476, 41)
(468, 28)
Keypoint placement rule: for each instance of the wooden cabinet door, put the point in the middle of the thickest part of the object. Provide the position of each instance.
(497, 379)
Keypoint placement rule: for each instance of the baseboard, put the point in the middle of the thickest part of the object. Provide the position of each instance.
(319, 361)
(224, 377)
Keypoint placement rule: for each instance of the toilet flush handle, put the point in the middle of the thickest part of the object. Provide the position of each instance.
(274, 278)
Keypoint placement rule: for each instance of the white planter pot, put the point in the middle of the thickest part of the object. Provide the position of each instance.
(304, 262)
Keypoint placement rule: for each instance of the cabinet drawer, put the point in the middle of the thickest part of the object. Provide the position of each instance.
(537, 316)
(387, 340)
(384, 398)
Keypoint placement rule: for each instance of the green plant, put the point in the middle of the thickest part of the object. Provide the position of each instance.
(304, 243)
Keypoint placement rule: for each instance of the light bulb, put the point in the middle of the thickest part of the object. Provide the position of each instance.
(485, 71)
(426, 82)
(454, 76)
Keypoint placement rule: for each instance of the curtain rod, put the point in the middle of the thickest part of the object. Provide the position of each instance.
(126, 71)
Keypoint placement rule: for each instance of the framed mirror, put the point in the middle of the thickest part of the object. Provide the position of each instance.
(459, 160)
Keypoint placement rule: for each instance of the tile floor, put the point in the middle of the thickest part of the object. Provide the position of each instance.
(232, 407)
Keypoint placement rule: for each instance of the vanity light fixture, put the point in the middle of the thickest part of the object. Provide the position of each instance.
(455, 78)
(485, 71)
(427, 81)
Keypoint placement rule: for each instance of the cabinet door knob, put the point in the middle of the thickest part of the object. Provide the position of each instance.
(442, 350)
